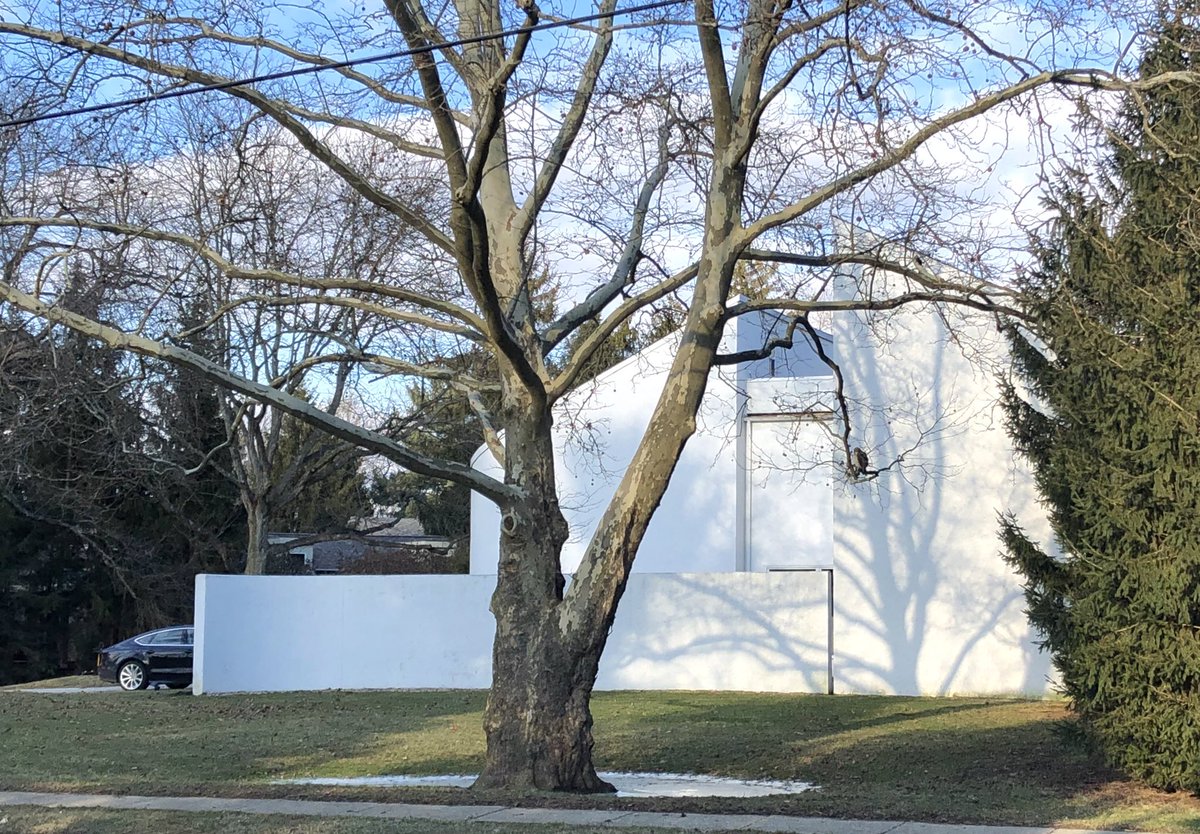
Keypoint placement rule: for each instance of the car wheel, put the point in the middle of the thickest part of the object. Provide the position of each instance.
(132, 676)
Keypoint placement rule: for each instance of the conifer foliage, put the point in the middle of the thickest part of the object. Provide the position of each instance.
(1109, 416)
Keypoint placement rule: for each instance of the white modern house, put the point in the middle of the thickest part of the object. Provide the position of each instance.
(904, 561)
(768, 566)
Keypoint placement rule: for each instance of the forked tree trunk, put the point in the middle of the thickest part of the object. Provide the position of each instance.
(537, 720)
(547, 650)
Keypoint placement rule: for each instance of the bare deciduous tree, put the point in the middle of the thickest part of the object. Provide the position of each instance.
(647, 154)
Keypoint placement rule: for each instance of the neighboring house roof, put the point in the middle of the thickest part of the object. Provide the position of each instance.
(384, 537)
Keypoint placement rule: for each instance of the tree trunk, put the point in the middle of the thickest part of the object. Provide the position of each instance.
(546, 653)
(256, 538)
(537, 721)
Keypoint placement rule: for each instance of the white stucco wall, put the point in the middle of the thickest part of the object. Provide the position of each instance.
(599, 425)
(280, 633)
(924, 601)
(764, 632)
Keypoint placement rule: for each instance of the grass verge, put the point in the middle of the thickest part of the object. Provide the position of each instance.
(942, 760)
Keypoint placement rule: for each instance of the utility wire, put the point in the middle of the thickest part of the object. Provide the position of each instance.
(310, 70)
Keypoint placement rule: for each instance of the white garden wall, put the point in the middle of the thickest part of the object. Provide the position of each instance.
(754, 632)
(279, 633)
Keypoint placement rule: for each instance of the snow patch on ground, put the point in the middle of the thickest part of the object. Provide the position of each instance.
(627, 784)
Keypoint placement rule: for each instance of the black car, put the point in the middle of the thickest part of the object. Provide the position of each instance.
(160, 656)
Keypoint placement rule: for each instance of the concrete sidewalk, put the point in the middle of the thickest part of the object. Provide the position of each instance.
(497, 814)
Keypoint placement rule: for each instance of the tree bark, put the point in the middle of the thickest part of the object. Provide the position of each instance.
(256, 538)
(537, 720)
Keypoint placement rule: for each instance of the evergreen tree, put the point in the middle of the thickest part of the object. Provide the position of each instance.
(438, 423)
(99, 536)
(316, 480)
(80, 554)
(1110, 424)
(620, 346)
(190, 440)
(57, 601)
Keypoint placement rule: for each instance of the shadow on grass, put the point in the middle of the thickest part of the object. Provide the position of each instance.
(1023, 774)
(752, 736)
(798, 710)
(131, 738)
(975, 760)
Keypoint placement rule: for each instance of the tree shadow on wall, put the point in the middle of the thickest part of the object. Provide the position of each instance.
(719, 632)
(924, 412)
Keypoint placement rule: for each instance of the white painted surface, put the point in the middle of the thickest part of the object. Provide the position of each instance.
(730, 631)
(925, 603)
(279, 633)
(788, 494)
(720, 631)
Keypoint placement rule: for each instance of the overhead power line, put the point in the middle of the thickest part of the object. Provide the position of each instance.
(352, 62)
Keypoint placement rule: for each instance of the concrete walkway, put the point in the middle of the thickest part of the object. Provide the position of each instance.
(498, 814)
(68, 690)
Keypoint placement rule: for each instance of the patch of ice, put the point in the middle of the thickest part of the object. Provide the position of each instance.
(693, 784)
(627, 784)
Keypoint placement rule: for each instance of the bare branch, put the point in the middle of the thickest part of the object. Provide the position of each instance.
(294, 301)
(383, 91)
(569, 129)
(906, 149)
(490, 105)
(594, 341)
(817, 306)
(491, 435)
(297, 407)
(713, 53)
(232, 270)
(916, 270)
(624, 273)
(279, 111)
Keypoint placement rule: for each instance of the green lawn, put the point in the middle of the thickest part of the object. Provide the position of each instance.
(962, 760)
